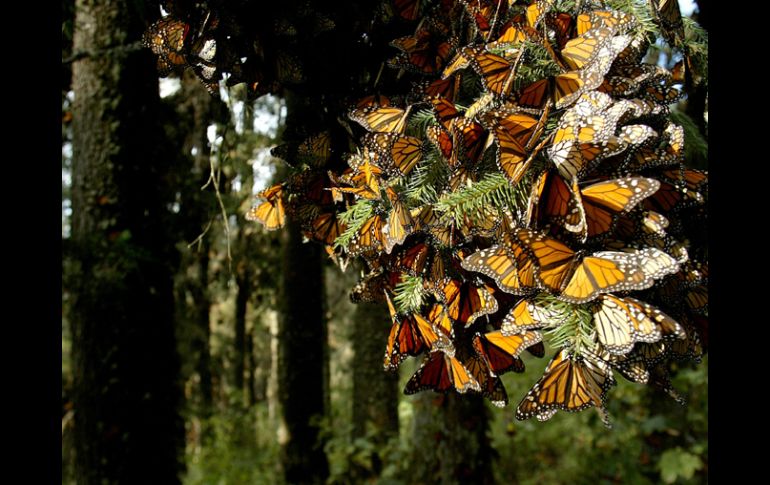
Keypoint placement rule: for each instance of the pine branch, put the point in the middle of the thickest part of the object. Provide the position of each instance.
(536, 63)
(492, 191)
(574, 328)
(354, 218)
(419, 122)
(408, 294)
(640, 9)
(432, 173)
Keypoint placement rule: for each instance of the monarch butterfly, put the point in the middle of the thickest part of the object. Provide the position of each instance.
(663, 94)
(673, 194)
(512, 156)
(570, 383)
(442, 372)
(619, 325)
(366, 182)
(564, 89)
(326, 228)
(373, 101)
(315, 150)
(692, 179)
(401, 152)
(409, 335)
(646, 365)
(617, 86)
(667, 325)
(465, 302)
(422, 53)
(491, 386)
(669, 18)
(445, 111)
(528, 315)
(400, 223)
(584, 135)
(496, 72)
(536, 12)
(603, 202)
(407, 9)
(166, 38)
(554, 201)
(579, 279)
(612, 19)
(369, 237)
(582, 51)
(380, 119)
(501, 352)
(412, 259)
(439, 318)
(373, 286)
(270, 213)
(514, 31)
(461, 60)
(636, 134)
(439, 88)
(486, 13)
(441, 139)
(468, 141)
(561, 90)
(501, 263)
(427, 221)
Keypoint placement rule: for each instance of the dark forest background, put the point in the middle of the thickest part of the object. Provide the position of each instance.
(198, 348)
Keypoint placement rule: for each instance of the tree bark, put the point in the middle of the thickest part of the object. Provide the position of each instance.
(451, 440)
(302, 352)
(375, 392)
(126, 389)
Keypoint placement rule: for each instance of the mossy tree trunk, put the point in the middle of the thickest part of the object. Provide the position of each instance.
(126, 393)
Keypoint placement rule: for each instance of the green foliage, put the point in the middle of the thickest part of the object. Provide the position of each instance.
(651, 433)
(678, 463)
(432, 172)
(640, 9)
(493, 189)
(354, 217)
(241, 449)
(574, 327)
(409, 294)
(535, 64)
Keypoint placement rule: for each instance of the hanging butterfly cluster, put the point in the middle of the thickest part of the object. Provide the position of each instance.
(211, 39)
(529, 188)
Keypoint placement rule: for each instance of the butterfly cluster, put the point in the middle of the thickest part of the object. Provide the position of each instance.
(180, 45)
(530, 188)
(212, 38)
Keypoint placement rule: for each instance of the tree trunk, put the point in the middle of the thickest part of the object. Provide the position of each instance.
(375, 392)
(302, 351)
(468, 452)
(451, 440)
(241, 301)
(127, 426)
(202, 320)
(251, 381)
